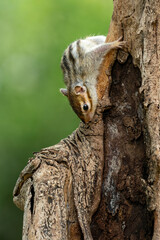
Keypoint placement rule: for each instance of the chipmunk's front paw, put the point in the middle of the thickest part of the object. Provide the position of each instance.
(119, 43)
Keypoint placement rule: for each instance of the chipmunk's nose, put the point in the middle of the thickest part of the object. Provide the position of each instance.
(88, 117)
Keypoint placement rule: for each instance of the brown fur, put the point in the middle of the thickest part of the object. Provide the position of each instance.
(103, 80)
(75, 101)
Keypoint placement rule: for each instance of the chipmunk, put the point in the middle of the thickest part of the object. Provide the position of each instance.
(80, 64)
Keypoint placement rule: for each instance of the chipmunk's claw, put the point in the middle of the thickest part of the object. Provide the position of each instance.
(120, 38)
(119, 43)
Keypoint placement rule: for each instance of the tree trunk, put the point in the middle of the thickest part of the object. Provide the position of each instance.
(118, 153)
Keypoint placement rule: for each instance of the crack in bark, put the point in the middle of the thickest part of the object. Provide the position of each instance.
(32, 201)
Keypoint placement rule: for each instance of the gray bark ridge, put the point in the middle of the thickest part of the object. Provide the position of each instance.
(60, 187)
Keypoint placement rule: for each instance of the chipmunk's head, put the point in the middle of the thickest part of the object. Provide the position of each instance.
(81, 102)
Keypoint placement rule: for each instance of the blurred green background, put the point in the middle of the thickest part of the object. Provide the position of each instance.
(34, 114)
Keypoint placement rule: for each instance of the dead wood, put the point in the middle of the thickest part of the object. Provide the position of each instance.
(60, 188)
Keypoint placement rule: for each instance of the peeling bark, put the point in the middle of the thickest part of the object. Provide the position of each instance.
(60, 188)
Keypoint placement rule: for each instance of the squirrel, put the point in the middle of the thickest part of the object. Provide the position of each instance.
(80, 64)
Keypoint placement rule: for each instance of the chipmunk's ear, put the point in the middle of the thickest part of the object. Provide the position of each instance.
(64, 91)
(79, 89)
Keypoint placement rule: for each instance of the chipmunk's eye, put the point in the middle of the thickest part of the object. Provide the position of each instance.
(85, 107)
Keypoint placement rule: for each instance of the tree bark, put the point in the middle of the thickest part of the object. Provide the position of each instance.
(118, 153)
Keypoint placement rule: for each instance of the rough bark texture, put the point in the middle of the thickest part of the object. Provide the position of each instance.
(139, 21)
(123, 210)
(60, 189)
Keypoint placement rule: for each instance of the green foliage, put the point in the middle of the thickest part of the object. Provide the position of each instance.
(34, 114)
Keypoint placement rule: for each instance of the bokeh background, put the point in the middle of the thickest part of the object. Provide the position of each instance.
(33, 113)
